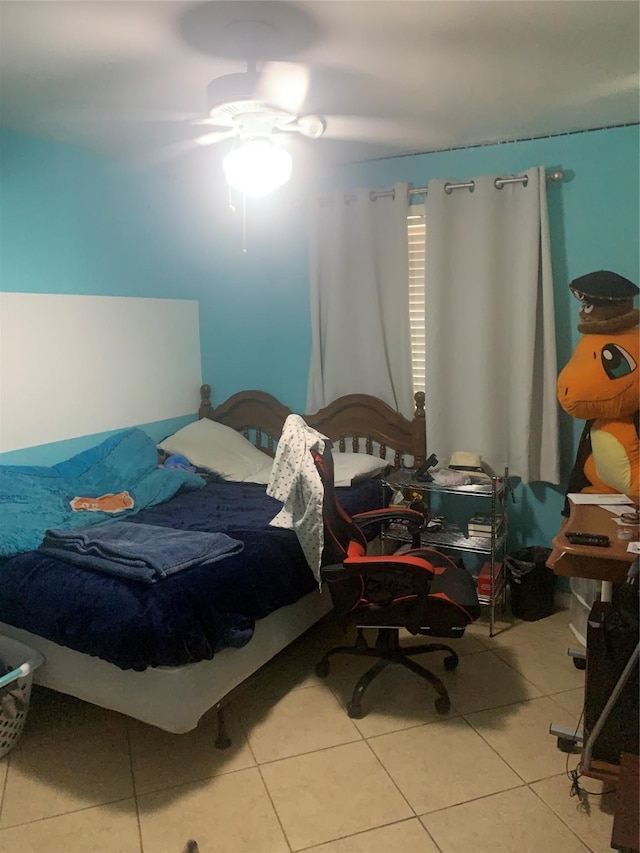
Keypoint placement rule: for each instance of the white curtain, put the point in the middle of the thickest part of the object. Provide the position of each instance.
(360, 299)
(490, 331)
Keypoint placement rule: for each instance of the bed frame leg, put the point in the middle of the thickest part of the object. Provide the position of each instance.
(223, 741)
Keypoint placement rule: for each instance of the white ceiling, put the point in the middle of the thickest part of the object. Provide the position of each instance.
(125, 78)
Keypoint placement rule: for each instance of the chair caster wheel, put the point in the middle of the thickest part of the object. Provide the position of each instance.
(565, 744)
(322, 669)
(580, 663)
(443, 705)
(354, 711)
(450, 662)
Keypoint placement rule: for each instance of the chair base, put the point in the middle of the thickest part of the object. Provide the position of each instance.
(389, 651)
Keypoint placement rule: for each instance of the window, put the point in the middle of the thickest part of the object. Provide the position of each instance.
(416, 238)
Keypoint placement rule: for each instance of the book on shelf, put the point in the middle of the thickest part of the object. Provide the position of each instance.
(483, 580)
(480, 525)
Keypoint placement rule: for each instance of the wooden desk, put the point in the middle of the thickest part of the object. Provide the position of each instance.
(626, 826)
(610, 565)
(583, 561)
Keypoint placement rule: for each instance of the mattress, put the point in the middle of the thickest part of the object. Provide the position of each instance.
(184, 618)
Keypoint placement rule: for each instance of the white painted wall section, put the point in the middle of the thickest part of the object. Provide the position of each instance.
(77, 365)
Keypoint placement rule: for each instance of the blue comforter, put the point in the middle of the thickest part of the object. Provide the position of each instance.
(189, 615)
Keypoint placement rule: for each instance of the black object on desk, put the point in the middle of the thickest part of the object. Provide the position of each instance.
(599, 540)
(422, 474)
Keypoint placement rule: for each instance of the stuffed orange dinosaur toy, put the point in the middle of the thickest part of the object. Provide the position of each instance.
(600, 383)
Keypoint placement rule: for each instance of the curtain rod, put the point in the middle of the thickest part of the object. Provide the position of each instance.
(554, 175)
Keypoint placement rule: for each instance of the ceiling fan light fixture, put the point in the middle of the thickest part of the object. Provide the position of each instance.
(256, 167)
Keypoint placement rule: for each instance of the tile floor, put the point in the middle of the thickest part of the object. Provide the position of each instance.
(301, 775)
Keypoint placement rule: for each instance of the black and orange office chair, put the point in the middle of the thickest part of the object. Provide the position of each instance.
(419, 589)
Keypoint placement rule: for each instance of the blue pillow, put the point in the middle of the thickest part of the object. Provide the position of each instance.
(111, 466)
(161, 484)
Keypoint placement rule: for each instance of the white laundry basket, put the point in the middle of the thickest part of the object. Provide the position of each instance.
(21, 660)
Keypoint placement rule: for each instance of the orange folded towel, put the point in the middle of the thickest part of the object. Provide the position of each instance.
(118, 502)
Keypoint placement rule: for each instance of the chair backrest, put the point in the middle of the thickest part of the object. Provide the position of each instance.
(342, 536)
(415, 595)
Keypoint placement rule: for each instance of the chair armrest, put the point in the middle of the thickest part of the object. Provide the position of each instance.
(398, 513)
(415, 520)
(415, 571)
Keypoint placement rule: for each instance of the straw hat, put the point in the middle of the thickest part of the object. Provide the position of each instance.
(468, 463)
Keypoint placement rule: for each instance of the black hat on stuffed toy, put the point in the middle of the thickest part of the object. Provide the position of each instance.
(606, 303)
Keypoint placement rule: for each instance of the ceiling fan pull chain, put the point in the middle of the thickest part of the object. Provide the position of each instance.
(244, 223)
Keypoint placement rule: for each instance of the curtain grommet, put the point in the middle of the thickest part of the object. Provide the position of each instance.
(449, 187)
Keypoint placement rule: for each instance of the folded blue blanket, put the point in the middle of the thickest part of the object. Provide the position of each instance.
(140, 552)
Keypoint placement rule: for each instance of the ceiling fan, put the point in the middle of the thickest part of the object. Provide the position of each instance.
(259, 103)
(256, 107)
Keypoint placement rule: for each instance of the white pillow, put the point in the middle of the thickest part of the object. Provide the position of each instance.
(263, 475)
(348, 466)
(216, 447)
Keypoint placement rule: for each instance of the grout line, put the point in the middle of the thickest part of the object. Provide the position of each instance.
(247, 739)
(387, 773)
(371, 829)
(64, 814)
(562, 820)
(195, 781)
(435, 843)
(275, 810)
(491, 747)
(473, 800)
(314, 751)
(133, 785)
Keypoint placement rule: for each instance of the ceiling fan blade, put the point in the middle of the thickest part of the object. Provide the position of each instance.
(284, 85)
(120, 115)
(151, 159)
(216, 136)
(369, 129)
(207, 121)
(147, 115)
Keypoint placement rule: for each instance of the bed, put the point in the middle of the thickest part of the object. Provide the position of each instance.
(171, 684)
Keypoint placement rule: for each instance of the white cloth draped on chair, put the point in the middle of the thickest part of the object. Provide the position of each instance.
(491, 364)
(360, 299)
(296, 482)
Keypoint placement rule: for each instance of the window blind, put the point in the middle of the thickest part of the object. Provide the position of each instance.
(416, 241)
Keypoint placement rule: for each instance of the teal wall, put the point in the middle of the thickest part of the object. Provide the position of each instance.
(72, 222)
(254, 311)
(594, 221)
(594, 218)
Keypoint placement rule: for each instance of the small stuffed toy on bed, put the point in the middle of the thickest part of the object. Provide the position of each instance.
(600, 384)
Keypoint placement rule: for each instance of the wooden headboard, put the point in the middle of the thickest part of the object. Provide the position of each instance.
(356, 422)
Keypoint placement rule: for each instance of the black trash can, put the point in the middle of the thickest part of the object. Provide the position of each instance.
(532, 583)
